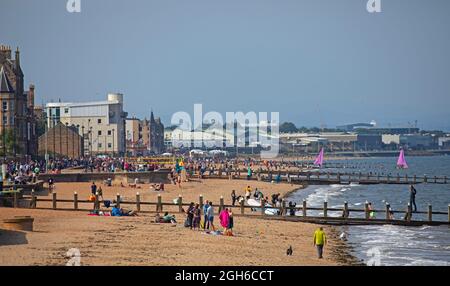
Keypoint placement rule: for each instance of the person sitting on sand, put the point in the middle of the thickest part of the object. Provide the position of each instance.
(158, 187)
(168, 218)
(121, 212)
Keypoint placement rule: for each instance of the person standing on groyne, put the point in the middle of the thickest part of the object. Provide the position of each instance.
(412, 197)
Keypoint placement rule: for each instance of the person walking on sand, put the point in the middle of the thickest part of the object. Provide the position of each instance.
(205, 216)
(93, 188)
(233, 197)
(319, 241)
(197, 217)
(412, 197)
(210, 214)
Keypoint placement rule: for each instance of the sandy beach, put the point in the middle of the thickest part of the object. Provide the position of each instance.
(139, 241)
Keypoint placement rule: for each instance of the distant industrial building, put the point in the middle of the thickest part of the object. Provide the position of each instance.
(414, 141)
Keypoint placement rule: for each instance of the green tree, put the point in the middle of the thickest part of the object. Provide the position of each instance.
(7, 140)
(288, 127)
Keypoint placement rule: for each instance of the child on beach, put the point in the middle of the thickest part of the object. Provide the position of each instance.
(319, 241)
(230, 223)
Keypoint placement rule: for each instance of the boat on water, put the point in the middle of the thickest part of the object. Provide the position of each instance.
(401, 162)
(319, 159)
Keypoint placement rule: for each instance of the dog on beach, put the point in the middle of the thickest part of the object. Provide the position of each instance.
(289, 251)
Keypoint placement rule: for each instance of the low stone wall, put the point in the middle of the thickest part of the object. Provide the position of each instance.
(160, 176)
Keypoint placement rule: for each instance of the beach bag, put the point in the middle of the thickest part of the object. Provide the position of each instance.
(107, 204)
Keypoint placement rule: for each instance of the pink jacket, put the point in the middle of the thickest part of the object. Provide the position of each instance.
(224, 217)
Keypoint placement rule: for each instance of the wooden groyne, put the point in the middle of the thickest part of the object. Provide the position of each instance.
(328, 178)
(346, 215)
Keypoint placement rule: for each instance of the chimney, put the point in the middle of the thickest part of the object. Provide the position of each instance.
(17, 58)
(30, 98)
(6, 51)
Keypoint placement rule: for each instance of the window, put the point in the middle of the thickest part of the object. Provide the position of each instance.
(5, 119)
(5, 105)
(109, 145)
(109, 132)
(99, 121)
(99, 145)
(99, 133)
(66, 110)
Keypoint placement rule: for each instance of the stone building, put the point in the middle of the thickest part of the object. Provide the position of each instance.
(17, 107)
(145, 136)
(61, 141)
(156, 135)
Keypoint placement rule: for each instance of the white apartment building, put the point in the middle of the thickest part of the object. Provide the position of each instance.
(102, 123)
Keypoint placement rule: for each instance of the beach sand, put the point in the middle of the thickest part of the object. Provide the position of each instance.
(139, 241)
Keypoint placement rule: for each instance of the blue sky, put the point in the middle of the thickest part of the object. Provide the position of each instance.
(317, 62)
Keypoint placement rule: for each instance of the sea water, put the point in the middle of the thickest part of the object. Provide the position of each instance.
(389, 244)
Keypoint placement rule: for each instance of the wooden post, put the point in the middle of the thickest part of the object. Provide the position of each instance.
(387, 178)
(138, 202)
(346, 213)
(75, 201)
(445, 179)
(425, 179)
(221, 206)
(448, 213)
(435, 179)
(263, 207)
(33, 199)
(180, 203)
(378, 178)
(304, 208)
(159, 206)
(415, 179)
(409, 216)
(15, 200)
(366, 210)
(283, 207)
(54, 200)
(118, 200)
(398, 178)
(242, 206)
(325, 209)
(387, 211)
(96, 202)
(430, 213)
(406, 178)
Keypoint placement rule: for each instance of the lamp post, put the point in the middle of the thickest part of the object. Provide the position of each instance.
(113, 145)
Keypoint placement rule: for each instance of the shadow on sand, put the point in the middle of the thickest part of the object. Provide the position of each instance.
(12, 237)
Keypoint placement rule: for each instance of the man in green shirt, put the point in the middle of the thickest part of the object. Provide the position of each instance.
(319, 241)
